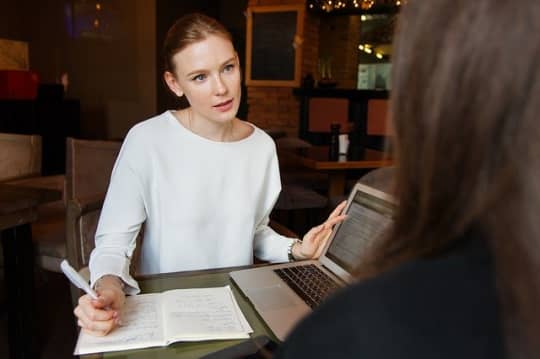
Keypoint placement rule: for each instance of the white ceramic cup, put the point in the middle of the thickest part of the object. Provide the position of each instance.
(343, 144)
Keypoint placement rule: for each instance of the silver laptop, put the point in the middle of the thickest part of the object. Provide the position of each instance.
(283, 293)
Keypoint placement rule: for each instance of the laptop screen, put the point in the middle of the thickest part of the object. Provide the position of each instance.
(368, 218)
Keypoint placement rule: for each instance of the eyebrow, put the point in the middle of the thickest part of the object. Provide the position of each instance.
(199, 71)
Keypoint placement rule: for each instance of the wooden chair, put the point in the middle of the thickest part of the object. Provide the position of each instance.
(20, 156)
(377, 118)
(325, 111)
(378, 127)
(88, 169)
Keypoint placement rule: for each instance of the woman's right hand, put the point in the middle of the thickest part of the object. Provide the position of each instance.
(100, 316)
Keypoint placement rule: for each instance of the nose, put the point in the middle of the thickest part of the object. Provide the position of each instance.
(220, 88)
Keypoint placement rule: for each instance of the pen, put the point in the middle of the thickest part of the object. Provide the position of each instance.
(77, 279)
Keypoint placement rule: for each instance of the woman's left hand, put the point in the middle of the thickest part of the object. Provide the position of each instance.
(315, 239)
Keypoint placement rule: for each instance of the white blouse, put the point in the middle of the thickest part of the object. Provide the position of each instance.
(205, 204)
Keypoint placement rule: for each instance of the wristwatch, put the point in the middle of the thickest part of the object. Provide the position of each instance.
(290, 247)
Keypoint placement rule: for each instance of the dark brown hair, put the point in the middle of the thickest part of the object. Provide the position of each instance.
(465, 104)
(189, 29)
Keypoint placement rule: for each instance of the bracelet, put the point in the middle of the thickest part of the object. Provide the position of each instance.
(289, 249)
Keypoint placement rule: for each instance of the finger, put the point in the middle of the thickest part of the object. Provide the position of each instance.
(87, 301)
(93, 333)
(84, 300)
(112, 298)
(101, 314)
(314, 249)
(339, 208)
(329, 224)
(82, 319)
(86, 320)
(87, 310)
(313, 232)
(322, 245)
(98, 327)
(104, 299)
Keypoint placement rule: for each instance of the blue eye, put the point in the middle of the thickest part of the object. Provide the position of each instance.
(228, 68)
(200, 77)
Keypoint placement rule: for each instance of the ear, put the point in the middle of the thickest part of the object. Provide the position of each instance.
(173, 84)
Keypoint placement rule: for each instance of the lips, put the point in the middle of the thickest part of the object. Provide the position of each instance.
(224, 106)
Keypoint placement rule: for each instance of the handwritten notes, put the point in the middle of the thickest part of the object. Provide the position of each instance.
(150, 320)
(197, 313)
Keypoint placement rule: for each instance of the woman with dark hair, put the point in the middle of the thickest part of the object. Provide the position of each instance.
(458, 277)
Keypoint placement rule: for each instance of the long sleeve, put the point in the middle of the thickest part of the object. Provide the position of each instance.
(267, 244)
(121, 218)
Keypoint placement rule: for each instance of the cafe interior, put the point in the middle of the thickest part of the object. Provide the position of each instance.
(76, 75)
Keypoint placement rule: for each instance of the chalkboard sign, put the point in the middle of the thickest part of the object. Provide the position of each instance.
(273, 46)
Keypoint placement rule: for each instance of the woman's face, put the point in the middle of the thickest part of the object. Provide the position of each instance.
(208, 73)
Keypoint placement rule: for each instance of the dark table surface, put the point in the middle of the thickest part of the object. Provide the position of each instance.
(15, 198)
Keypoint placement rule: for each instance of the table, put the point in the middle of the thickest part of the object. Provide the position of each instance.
(18, 209)
(193, 279)
(316, 158)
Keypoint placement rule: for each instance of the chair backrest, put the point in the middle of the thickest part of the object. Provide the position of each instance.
(324, 112)
(377, 118)
(88, 169)
(20, 156)
(89, 165)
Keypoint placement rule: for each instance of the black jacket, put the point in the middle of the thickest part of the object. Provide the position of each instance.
(432, 308)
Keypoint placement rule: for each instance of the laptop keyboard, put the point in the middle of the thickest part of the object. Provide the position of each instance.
(309, 282)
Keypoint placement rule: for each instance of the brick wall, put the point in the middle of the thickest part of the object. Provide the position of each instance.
(277, 107)
(341, 47)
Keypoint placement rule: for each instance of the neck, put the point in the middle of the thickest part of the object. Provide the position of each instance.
(215, 131)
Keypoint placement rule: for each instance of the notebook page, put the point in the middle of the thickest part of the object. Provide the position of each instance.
(203, 314)
(142, 327)
(243, 320)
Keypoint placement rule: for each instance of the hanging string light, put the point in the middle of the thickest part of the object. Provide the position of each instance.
(371, 50)
(367, 4)
(354, 5)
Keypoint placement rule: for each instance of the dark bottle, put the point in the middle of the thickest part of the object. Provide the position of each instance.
(356, 143)
(333, 153)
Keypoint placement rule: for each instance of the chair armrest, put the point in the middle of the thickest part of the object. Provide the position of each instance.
(48, 182)
(55, 182)
(86, 204)
(75, 211)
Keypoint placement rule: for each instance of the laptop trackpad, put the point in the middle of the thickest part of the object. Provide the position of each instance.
(273, 298)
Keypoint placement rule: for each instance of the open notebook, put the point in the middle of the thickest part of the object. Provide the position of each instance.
(158, 319)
